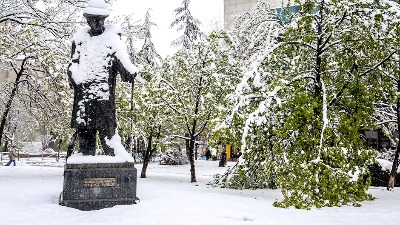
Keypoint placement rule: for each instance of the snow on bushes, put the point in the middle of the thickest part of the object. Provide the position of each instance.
(305, 95)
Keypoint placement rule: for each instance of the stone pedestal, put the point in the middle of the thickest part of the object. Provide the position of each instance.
(99, 185)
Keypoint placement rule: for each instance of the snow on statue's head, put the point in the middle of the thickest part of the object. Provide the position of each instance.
(96, 8)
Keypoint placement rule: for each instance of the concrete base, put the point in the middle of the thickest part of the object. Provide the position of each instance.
(101, 185)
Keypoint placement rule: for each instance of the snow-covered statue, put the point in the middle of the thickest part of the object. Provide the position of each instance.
(98, 54)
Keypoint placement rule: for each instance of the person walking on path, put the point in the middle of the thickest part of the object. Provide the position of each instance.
(12, 154)
(208, 154)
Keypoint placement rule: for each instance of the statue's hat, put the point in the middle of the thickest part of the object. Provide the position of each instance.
(96, 7)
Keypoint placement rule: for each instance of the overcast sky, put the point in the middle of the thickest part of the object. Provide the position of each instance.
(209, 12)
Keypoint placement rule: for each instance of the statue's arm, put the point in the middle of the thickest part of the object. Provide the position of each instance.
(124, 65)
(126, 75)
(70, 80)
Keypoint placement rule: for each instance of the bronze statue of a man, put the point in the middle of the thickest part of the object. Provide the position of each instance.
(98, 54)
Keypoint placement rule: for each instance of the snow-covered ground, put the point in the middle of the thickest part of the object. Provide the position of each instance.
(29, 196)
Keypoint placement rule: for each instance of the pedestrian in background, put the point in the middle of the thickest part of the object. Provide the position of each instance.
(208, 154)
(12, 154)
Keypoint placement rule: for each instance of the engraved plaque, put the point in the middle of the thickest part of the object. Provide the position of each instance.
(100, 182)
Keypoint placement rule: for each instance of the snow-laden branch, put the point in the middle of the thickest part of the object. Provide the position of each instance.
(314, 48)
(324, 118)
(378, 64)
(181, 137)
(387, 121)
(324, 46)
(300, 77)
(173, 89)
(263, 107)
(171, 106)
(209, 113)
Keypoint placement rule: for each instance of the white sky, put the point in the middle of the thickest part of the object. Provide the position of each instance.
(209, 12)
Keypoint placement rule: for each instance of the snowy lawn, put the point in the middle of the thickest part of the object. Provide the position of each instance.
(29, 196)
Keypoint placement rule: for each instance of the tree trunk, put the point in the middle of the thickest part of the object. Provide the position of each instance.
(7, 111)
(191, 160)
(147, 156)
(10, 100)
(392, 177)
(144, 168)
(149, 152)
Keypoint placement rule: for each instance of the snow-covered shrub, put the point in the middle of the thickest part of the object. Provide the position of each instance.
(304, 97)
(173, 158)
(380, 172)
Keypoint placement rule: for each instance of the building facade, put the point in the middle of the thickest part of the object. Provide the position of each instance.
(6, 75)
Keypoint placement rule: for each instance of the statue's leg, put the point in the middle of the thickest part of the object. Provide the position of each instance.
(87, 141)
(107, 133)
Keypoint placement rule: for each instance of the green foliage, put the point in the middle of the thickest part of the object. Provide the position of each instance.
(306, 99)
(194, 83)
(326, 164)
(320, 185)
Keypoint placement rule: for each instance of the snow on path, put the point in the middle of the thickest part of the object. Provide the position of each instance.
(29, 196)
